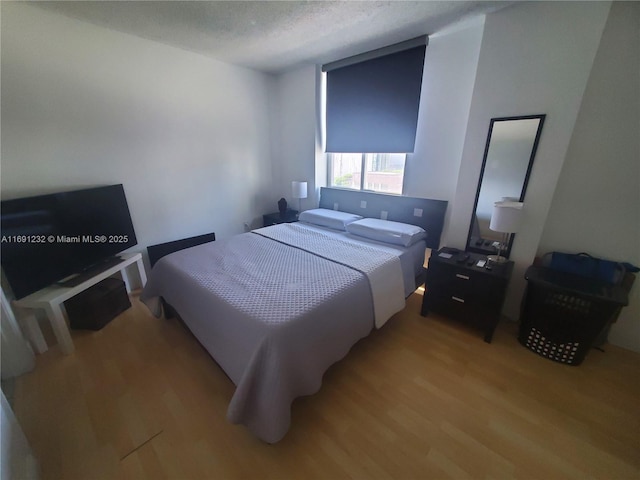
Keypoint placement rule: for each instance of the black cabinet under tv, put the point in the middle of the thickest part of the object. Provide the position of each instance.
(95, 307)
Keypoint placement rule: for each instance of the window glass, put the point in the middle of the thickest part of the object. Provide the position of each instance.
(383, 172)
(345, 170)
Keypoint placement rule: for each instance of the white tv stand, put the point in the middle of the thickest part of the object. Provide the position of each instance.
(50, 300)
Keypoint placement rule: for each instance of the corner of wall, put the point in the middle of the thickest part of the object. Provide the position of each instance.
(321, 174)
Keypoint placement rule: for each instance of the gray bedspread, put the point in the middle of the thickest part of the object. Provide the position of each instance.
(274, 317)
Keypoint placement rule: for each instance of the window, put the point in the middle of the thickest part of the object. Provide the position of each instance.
(371, 105)
(383, 172)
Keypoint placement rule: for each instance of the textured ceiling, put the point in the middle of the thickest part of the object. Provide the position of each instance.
(275, 36)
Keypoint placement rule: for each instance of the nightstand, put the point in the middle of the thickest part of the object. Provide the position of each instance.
(289, 216)
(466, 292)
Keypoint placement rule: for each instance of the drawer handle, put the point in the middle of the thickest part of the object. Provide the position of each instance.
(458, 299)
(464, 277)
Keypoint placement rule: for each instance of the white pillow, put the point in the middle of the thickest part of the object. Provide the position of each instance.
(387, 231)
(328, 218)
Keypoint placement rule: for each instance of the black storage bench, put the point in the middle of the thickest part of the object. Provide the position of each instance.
(93, 308)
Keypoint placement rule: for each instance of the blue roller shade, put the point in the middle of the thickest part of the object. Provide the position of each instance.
(372, 105)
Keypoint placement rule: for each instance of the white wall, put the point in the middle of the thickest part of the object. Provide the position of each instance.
(596, 205)
(294, 152)
(82, 105)
(535, 58)
(450, 65)
(451, 61)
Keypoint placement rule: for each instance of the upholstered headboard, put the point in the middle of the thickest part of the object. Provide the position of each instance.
(423, 212)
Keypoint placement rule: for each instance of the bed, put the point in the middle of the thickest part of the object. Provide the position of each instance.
(276, 307)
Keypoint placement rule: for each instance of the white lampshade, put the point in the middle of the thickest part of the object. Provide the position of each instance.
(506, 217)
(299, 189)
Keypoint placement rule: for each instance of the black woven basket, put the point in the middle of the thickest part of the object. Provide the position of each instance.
(561, 326)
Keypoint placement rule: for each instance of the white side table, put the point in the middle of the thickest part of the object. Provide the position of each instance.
(50, 299)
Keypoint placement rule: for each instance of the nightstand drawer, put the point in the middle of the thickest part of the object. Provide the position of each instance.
(474, 287)
(460, 309)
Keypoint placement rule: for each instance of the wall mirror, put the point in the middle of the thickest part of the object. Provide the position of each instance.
(508, 158)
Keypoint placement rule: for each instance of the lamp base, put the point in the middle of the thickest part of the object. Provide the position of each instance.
(497, 259)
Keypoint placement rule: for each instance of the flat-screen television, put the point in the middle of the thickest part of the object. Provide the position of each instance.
(47, 238)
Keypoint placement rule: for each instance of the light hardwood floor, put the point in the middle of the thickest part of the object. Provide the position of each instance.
(421, 398)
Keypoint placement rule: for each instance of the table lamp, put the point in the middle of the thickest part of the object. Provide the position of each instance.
(299, 191)
(506, 219)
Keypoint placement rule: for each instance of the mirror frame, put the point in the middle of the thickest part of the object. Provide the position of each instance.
(492, 250)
